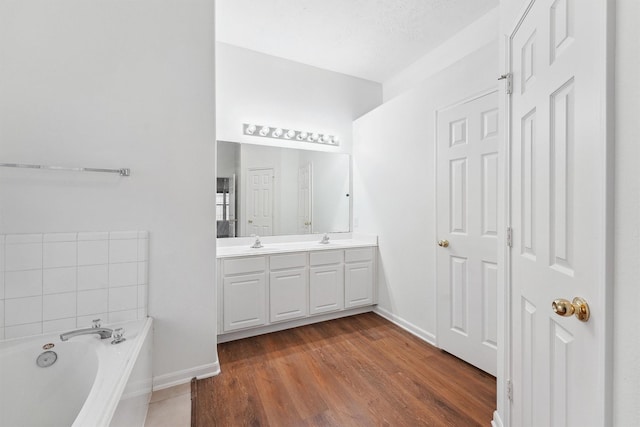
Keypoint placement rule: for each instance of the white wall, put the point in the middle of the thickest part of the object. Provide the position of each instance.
(228, 159)
(471, 38)
(120, 83)
(627, 217)
(257, 88)
(394, 185)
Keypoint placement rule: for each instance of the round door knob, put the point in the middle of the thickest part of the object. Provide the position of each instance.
(443, 243)
(566, 308)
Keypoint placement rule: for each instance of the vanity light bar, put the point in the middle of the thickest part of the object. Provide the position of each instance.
(290, 134)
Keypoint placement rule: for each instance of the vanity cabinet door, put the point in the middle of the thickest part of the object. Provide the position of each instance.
(358, 277)
(288, 294)
(244, 301)
(326, 288)
(358, 281)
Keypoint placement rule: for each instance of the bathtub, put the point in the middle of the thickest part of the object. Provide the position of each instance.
(91, 383)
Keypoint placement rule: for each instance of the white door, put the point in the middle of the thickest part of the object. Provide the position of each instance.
(305, 174)
(558, 207)
(467, 195)
(260, 202)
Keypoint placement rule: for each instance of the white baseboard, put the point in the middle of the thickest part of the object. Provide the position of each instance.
(276, 327)
(184, 376)
(497, 421)
(407, 326)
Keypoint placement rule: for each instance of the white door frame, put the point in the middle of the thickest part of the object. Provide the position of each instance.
(502, 415)
(438, 111)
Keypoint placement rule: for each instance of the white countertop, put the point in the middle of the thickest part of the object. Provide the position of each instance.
(230, 251)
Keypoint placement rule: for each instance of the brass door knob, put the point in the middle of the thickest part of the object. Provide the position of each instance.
(443, 243)
(566, 308)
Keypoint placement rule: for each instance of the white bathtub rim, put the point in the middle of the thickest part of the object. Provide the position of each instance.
(99, 414)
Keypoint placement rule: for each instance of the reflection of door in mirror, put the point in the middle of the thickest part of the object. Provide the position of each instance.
(226, 207)
(317, 194)
(305, 188)
(260, 202)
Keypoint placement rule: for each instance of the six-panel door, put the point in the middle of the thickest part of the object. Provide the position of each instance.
(559, 209)
(467, 212)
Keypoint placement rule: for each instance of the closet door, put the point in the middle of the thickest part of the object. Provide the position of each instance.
(467, 194)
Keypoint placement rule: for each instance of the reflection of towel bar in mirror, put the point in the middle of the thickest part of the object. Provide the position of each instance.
(121, 171)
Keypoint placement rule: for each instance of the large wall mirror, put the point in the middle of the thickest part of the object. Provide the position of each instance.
(267, 191)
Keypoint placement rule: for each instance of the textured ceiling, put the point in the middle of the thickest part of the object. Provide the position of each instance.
(372, 39)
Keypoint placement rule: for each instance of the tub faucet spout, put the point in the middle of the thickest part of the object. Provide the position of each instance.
(96, 329)
(103, 332)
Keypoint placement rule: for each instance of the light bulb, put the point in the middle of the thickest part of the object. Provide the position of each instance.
(277, 132)
(264, 131)
(290, 134)
(313, 137)
(250, 130)
(325, 138)
(335, 140)
(301, 136)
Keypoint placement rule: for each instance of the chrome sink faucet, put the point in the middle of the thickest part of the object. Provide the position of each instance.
(325, 239)
(95, 329)
(257, 244)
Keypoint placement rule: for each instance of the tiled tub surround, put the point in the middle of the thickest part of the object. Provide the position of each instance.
(52, 282)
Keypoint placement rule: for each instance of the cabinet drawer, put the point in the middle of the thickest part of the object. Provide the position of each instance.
(279, 262)
(244, 265)
(325, 257)
(356, 255)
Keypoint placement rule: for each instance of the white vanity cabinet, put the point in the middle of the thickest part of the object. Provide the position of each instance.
(358, 277)
(326, 281)
(276, 287)
(244, 292)
(288, 286)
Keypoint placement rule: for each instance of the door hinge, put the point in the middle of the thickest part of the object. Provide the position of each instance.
(509, 82)
(509, 390)
(509, 237)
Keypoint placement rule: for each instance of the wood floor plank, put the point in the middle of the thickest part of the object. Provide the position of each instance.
(356, 371)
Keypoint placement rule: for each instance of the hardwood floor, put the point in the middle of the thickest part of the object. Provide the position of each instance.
(356, 371)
